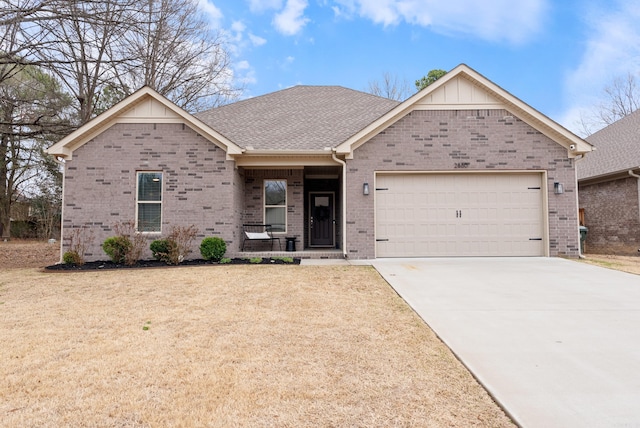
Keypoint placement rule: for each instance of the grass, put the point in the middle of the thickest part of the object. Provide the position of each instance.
(629, 264)
(606, 264)
(284, 346)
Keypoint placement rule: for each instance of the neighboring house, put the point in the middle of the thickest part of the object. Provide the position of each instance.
(20, 219)
(609, 188)
(462, 168)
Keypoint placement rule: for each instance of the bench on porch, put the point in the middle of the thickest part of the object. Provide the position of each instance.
(259, 232)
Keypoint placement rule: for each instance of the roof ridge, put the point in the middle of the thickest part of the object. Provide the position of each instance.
(291, 88)
(618, 123)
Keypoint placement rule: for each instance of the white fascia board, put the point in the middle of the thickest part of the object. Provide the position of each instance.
(279, 160)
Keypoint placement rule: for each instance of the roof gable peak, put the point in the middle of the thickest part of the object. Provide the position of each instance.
(143, 106)
(464, 88)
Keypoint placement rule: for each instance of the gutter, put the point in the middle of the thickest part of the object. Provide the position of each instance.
(254, 152)
(61, 161)
(344, 202)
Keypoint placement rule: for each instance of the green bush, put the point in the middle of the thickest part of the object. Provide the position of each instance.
(213, 248)
(255, 260)
(165, 250)
(117, 248)
(225, 261)
(160, 248)
(72, 258)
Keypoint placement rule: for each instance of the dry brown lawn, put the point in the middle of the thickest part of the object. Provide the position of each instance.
(19, 253)
(284, 346)
(629, 264)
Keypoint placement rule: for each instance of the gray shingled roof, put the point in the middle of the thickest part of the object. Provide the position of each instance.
(299, 118)
(617, 148)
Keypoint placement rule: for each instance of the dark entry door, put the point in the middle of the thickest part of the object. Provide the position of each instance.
(321, 220)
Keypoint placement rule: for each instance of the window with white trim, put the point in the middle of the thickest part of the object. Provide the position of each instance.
(275, 204)
(149, 202)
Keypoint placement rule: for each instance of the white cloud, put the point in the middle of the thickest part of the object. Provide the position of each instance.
(245, 73)
(243, 65)
(291, 19)
(258, 6)
(238, 26)
(257, 40)
(611, 50)
(215, 15)
(498, 20)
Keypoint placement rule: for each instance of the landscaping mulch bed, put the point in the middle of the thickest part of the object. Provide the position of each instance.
(106, 265)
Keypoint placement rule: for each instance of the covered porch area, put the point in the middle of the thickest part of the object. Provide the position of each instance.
(302, 206)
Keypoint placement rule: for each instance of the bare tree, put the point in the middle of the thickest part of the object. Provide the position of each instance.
(23, 32)
(46, 197)
(175, 52)
(82, 41)
(33, 113)
(620, 99)
(390, 87)
(103, 48)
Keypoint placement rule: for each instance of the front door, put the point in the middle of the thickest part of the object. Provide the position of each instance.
(321, 220)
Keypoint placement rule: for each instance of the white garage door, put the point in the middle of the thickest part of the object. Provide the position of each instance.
(459, 215)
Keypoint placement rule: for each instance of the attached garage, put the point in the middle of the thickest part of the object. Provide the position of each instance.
(460, 214)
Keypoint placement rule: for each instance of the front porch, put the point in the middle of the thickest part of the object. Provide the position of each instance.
(331, 254)
(301, 203)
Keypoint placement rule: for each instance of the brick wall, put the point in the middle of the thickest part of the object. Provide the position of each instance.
(474, 140)
(198, 183)
(611, 215)
(254, 205)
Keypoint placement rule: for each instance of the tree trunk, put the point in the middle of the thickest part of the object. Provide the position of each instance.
(5, 188)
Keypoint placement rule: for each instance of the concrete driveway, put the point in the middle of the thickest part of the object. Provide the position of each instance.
(556, 342)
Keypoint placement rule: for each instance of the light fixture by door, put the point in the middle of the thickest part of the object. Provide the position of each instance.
(558, 189)
(365, 189)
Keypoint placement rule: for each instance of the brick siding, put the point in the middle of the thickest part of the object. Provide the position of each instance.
(462, 140)
(200, 187)
(612, 217)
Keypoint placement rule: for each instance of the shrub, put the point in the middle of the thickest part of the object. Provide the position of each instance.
(117, 248)
(72, 258)
(213, 248)
(255, 260)
(176, 246)
(159, 248)
(78, 240)
(137, 241)
(225, 261)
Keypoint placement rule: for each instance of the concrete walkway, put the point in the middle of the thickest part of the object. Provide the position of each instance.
(556, 342)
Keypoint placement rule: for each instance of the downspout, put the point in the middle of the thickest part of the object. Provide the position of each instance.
(632, 174)
(344, 202)
(61, 162)
(577, 159)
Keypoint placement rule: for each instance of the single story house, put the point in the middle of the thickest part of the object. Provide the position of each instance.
(609, 188)
(462, 168)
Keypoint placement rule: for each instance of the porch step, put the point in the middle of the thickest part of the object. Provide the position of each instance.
(306, 254)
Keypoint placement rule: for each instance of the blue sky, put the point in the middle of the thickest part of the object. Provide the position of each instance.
(556, 56)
